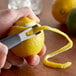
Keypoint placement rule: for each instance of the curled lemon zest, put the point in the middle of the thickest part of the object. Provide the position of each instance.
(63, 49)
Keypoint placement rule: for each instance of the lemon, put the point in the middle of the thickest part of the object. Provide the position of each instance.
(31, 46)
(61, 8)
(34, 45)
(71, 21)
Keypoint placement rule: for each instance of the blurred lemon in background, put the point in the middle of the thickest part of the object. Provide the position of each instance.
(61, 8)
(71, 21)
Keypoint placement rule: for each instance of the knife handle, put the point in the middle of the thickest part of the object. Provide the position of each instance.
(11, 41)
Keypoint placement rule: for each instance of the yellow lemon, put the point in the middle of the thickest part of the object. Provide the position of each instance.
(34, 45)
(61, 8)
(31, 46)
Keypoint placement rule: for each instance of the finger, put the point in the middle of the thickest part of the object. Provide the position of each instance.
(3, 54)
(26, 11)
(7, 65)
(9, 16)
(43, 51)
(33, 59)
(14, 60)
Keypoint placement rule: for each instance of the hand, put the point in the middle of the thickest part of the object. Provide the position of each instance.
(7, 19)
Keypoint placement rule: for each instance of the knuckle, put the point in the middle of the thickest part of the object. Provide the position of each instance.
(28, 9)
(11, 11)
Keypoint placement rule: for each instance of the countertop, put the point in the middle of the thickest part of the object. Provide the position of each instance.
(53, 42)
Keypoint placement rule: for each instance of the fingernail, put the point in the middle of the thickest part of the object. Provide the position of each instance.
(7, 65)
(20, 65)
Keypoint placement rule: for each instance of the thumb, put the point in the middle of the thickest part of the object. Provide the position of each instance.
(3, 55)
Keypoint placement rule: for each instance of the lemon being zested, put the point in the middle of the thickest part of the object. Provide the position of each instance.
(34, 45)
(31, 46)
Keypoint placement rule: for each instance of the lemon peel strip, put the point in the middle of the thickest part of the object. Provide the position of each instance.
(63, 49)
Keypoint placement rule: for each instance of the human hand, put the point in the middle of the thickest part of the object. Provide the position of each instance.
(7, 19)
